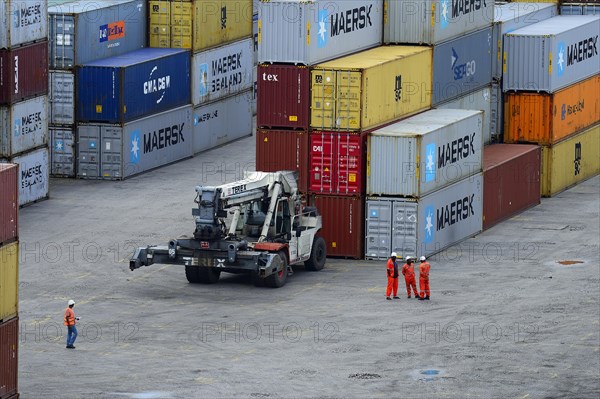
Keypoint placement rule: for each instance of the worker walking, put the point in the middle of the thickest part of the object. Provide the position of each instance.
(392, 275)
(69, 321)
(408, 271)
(424, 278)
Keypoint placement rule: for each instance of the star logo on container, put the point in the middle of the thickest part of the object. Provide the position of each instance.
(59, 145)
(203, 83)
(17, 130)
(134, 153)
(444, 14)
(453, 58)
(322, 34)
(428, 224)
(430, 162)
(561, 59)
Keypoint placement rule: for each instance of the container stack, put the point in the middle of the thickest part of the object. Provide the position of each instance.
(81, 32)
(580, 7)
(9, 280)
(24, 94)
(551, 80)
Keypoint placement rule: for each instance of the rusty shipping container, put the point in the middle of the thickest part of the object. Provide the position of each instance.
(548, 118)
(283, 96)
(511, 181)
(283, 150)
(571, 161)
(9, 281)
(9, 203)
(343, 224)
(9, 339)
(23, 72)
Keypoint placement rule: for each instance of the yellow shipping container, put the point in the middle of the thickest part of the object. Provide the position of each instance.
(221, 21)
(182, 17)
(370, 88)
(9, 281)
(159, 23)
(570, 161)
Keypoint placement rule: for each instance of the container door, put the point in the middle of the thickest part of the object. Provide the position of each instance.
(159, 28)
(62, 156)
(62, 41)
(323, 99)
(378, 229)
(322, 158)
(181, 24)
(62, 98)
(88, 152)
(111, 158)
(349, 162)
(404, 228)
(348, 104)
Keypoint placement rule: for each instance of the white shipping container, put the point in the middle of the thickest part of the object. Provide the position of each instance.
(62, 151)
(424, 153)
(222, 71)
(33, 175)
(23, 22)
(23, 126)
(425, 226)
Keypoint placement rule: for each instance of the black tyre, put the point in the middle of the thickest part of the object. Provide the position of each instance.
(318, 254)
(257, 280)
(277, 280)
(202, 275)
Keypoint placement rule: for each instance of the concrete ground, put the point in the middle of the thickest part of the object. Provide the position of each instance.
(506, 319)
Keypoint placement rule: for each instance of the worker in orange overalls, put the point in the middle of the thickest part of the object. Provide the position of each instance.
(424, 278)
(408, 271)
(392, 275)
(69, 321)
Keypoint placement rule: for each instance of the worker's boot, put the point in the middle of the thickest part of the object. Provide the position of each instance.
(388, 298)
(427, 297)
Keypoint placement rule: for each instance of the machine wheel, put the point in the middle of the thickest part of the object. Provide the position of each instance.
(204, 275)
(277, 280)
(257, 280)
(318, 254)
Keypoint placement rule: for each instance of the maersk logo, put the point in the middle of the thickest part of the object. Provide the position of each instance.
(582, 50)
(162, 138)
(351, 20)
(456, 150)
(455, 212)
(464, 7)
(59, 146)
(203, 84)
(134, 153)
(27, 15)
(444, 13)
(430, 162)
(561, 58)
(322, 34)
(157, 84)
(463, 70)
(17, 130)
(429, 231)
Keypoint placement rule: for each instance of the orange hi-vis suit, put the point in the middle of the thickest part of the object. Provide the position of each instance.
(69, 317)
(408, 271)
(424, 279)
(392, 275)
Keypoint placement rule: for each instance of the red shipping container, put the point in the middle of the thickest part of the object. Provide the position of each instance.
(343, 224)
(337, 163)
(9, 336)
(283, 96)
(9, 202)
(23, 72)
(283, 150)
(511, 180)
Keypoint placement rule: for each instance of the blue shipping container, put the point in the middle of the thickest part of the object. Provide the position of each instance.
(134, 85)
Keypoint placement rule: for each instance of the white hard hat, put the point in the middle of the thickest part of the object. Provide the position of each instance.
(71, 302)
(422, 259)
(408, 258)
(394, 255)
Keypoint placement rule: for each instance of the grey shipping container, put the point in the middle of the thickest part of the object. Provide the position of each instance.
(255, 37)
(481, 100)
(62, 97)
(87, 141)
(62, 151)
(580, 9)
(512, 16)
(222, 71)
(425, 226)
(23, 22)
(462, 65)
(314, 31)
(424, 153)
(141, 145)
(497, 117)
(88, 30)
(434, 21)
(23, 126)
(222, 121)
(33, 175)
(551, 54)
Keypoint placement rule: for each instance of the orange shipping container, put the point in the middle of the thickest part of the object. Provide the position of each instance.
(548, 118)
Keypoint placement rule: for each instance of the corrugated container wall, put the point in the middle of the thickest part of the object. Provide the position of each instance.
(511, 181)
(159, 23)
(88, 152)
(133, 85)
(551, 54)
(62, 151)
(314, 31)
(571, 161)
(222, 71)
(370, 88)
(23, 72)
(284, 150)
(9, 354)
(222, 121)
(182, 18)
(33, 175)
(9, 203)
(425, 226)
(580, 9)
(548, 118)
(143, 144)
(512, 16)
(462, 65)
(343, 224)
(23, 22)
(424, 153)
(9, 281)
(497, 117)
(432, 21)
(284, 100)
(23, 126)
(221, 21)
(84, 31)
(62, 97)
